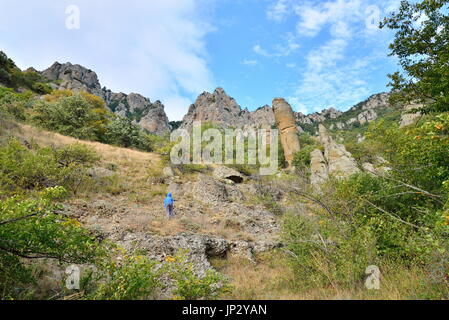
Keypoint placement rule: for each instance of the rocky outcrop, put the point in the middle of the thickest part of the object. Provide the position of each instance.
(286, 124)
(318, 168)
(335, 161)
(222, 110)
(74, 77)
(376, 101)
(150, 116)
(409, 117)
(228, 174)
(367, 116)
(218, 108)
(263, 117)
(317, 117)
(340, 162)
(365, 112)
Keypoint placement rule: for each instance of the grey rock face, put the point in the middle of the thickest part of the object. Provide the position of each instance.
(218, 108)
(366, 112)
(150, 116)
(318, 168)
(376, 101)
(222, 110)
(340, 161)
(317, 117)
(409, 118)
(335, 161)
(367, 116)
(263, 117)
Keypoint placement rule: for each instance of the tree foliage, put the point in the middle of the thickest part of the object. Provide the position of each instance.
(422, 46)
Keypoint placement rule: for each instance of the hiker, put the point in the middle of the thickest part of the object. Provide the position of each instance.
(169, 204)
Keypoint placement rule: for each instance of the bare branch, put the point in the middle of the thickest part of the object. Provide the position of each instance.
(395, 217)
(18, 219)
(313, 199)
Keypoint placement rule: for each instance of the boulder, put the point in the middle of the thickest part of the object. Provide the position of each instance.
(226, 173)
(209, 190)
(168, 172)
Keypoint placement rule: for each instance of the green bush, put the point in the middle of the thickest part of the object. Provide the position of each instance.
(328, 253)
(81, 116)
(124, 133)
(13, 103)
(189, 285)
(30, 230)
(130, 278)
(24, 169)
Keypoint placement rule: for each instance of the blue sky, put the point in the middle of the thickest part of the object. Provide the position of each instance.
(316, 54)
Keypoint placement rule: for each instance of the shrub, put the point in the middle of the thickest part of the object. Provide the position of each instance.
(124, 133)
(14, 104)
(82, 116)
(130, 278)
(24, 169)
(31, 230)
(189, 285)
(328, 253)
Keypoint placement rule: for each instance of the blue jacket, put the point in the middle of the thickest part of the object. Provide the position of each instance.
(169, 200)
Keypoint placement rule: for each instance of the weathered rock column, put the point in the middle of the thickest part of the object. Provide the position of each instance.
(286, 123)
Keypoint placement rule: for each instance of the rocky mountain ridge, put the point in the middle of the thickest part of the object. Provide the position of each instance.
(219, 108)
(149, 115)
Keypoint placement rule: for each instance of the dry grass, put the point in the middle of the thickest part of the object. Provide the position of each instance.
(113, 154)
(271, 278)
(133, 168)
(268, 279)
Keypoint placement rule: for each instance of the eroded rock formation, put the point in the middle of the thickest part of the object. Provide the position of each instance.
(222, 110)
(141, 110)
(286, 124)
(335, 161)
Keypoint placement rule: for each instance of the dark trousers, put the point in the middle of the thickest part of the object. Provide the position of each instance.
(170, 212)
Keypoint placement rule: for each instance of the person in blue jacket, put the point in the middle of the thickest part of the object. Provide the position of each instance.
(169, 204)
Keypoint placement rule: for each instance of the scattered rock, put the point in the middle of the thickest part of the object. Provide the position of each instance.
(168, 172)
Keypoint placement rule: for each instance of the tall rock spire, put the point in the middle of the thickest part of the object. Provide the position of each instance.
(285, 120)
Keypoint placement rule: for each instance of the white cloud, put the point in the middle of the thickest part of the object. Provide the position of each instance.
(278, 10)
(331, 80)
(157, 49)
(338, 14)
(259, 50)
(248, 62)
(280, 50)
(337, 71)
(297, 105)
